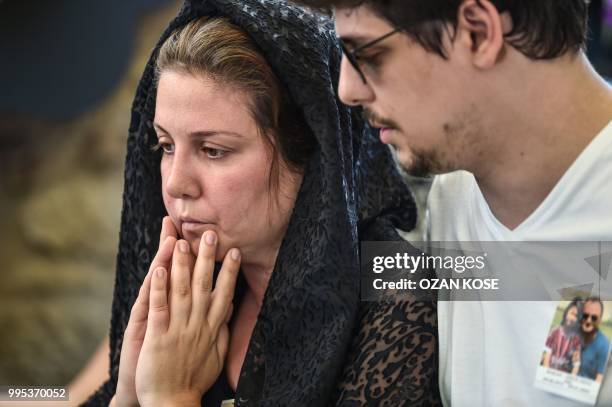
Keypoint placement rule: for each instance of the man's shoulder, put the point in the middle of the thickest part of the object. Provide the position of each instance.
(453, 181)
(452, 185)
(450, 191)
(602, 340)
(448, 205)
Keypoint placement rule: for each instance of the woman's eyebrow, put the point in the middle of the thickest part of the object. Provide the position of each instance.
(158, 127)
(202, 133)
(210, 133)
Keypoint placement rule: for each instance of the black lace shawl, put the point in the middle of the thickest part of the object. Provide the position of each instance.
(314, 343)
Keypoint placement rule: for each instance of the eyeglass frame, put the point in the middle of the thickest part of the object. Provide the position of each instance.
(590, 317)
(352, 55)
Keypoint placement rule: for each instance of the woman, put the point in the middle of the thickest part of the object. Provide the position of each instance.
(325, 186)
(562, 350)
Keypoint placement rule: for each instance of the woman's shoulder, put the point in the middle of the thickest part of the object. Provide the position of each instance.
(393, 358)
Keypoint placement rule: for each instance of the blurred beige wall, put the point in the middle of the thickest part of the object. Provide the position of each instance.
(60, 199)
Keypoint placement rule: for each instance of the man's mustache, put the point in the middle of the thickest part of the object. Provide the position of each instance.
(377, 120)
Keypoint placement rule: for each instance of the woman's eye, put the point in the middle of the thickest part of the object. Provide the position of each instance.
(167, 148)
(214, 153)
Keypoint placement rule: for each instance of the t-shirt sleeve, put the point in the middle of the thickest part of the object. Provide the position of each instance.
(551, 339)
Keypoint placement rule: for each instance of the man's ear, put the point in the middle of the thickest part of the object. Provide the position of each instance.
(480, 26)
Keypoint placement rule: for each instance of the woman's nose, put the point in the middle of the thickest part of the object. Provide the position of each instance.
(181, 180)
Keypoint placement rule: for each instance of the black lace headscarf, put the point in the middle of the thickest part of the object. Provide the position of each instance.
(351, 192)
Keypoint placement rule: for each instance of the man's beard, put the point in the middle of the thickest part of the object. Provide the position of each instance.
(423, 163)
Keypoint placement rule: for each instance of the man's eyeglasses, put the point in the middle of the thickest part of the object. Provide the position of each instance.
(592, 317)
(353, 55)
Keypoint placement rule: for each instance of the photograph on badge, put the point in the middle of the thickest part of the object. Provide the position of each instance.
(577, 348)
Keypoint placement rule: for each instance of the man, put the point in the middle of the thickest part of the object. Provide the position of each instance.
(499, 93)
(595, 346)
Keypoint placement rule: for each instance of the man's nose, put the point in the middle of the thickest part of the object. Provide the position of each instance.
(351, 88)
(181, 182)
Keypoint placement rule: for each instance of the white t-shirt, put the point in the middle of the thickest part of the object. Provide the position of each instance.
(489, 351)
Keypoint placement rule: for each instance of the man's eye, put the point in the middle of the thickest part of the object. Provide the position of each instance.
(214, 153)
(368, 60)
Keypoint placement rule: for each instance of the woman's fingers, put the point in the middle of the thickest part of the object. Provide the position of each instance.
(168, 230)
(223, 341)
(163, 257)
(143, 295)
(203, 276)
(224, 290)
(230, 311)
(159, 315)
(180, 284)
(137, 323)
(167, 240)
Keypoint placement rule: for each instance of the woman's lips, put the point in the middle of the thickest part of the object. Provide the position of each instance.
(194, 227)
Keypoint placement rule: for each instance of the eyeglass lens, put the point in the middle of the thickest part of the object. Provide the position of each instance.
(586, 316)
(351, 58)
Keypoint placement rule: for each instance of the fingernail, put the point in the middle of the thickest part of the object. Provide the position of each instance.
(161, 272)
(210, 238)
(183, 246)
(235, 254)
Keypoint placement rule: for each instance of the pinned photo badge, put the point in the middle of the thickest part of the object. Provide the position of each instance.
(575, 356)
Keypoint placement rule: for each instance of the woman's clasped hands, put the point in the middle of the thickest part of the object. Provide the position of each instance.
(177, 336)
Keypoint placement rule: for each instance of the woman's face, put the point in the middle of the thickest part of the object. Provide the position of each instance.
(571, 317)
(215, 168)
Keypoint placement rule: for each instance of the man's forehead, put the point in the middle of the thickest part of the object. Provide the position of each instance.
(592, 305)
(359, 24)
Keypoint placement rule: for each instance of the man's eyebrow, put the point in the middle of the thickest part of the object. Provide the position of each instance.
(355, 41)
(360, 43)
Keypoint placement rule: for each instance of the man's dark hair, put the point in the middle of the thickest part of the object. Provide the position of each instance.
(542, 29)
